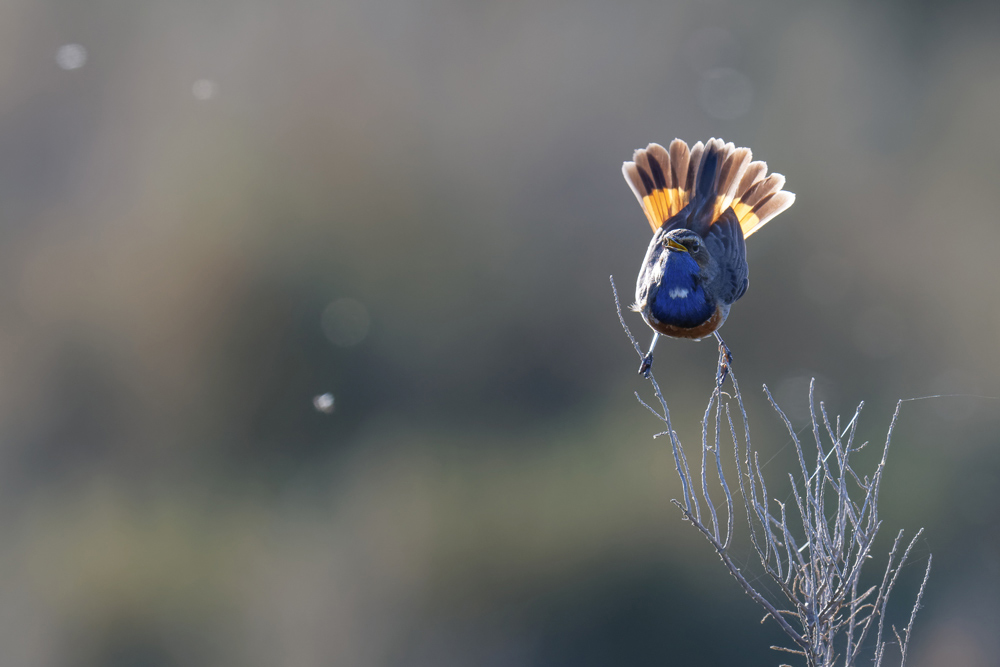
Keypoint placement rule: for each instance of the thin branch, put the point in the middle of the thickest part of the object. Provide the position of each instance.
(818, 566)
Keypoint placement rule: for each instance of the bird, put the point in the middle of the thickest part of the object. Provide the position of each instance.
(702, 203)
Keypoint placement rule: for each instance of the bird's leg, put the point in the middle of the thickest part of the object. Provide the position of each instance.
(725, 361)
(647, 361)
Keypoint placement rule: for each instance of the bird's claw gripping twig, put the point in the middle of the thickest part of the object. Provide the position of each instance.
(647, 361)
(725, 361)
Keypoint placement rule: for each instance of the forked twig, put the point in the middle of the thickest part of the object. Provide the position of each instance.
(816, 563)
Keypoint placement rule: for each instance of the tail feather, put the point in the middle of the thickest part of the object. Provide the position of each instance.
(665, 181)
(708, 171)
(659, 164)
(760, 190)
(679, 157)
(755, 172)
(653, 176)
(696, 152)
(729, 178)
(663, 175)
(630, 170)
(772, 206)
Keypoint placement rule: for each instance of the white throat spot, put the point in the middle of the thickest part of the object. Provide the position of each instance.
(678, 293)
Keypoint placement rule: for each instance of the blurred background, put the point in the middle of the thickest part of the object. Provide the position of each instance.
(309, 356)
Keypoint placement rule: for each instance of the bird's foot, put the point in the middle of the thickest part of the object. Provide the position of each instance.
(725, 362)
(647, 363)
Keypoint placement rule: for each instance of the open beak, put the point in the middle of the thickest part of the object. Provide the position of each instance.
(674, 245)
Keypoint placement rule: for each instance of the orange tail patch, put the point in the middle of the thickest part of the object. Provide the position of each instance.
(665, 181)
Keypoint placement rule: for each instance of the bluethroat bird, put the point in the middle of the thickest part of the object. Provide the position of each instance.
(702, 203)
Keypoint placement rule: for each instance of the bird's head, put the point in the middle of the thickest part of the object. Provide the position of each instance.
(687, 241)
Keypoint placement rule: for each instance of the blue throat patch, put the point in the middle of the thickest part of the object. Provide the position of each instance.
(680, 299)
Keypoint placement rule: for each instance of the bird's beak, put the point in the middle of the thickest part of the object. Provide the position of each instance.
(674, 245)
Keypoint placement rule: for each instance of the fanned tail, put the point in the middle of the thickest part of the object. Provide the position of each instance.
(665, 181)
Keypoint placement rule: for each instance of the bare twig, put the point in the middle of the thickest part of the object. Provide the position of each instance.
(817, 563)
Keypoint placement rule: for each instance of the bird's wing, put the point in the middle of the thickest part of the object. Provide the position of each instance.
(715, 177)
(724, 241)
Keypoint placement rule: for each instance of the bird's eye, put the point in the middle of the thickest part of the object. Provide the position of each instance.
(695, 246)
